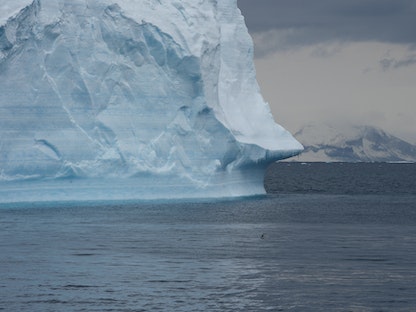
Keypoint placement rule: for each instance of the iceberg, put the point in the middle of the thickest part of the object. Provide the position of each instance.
(122, 99)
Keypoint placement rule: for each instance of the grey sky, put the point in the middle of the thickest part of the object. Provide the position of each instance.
(315, 21)
(350, 61)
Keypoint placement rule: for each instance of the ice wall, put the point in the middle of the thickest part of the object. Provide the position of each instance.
(128, 99)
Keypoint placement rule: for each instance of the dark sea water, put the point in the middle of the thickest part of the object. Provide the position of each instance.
(327, 237)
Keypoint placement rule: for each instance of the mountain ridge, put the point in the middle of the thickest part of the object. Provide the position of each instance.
(353, 143)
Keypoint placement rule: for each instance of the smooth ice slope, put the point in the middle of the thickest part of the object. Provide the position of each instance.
(123, 99)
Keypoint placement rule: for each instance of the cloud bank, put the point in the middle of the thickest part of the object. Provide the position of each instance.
(296, 23)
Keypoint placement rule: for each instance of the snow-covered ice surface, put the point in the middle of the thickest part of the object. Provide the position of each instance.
(123, 99)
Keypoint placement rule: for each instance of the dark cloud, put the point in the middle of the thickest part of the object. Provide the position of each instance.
(392, 63)
(304, 22)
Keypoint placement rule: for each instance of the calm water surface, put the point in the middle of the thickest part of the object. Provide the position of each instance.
(322, 246)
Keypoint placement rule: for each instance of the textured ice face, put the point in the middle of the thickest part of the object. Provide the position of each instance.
(133, 89)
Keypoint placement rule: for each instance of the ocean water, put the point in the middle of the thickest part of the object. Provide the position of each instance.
(327, 237)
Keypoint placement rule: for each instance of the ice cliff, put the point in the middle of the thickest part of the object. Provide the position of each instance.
(123, 99)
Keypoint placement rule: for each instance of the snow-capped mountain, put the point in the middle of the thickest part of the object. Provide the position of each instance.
(352, 144)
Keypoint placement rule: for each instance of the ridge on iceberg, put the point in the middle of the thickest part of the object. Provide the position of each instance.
(121, 99)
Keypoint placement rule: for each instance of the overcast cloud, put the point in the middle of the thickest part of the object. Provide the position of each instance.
(305, 22)
(350, 61)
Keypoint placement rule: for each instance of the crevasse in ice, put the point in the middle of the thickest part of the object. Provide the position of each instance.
(123, 99)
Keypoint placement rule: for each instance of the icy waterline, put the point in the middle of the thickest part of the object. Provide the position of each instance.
(222, 186)
(111, 93)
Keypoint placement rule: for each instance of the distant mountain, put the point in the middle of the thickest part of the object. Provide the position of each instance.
(352, 144)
